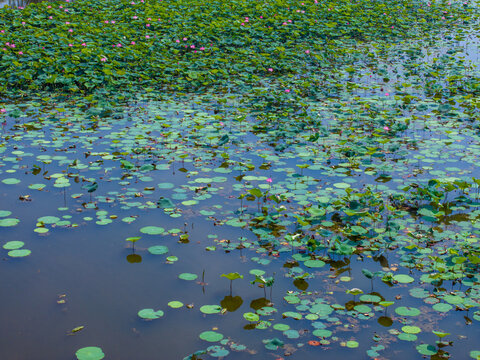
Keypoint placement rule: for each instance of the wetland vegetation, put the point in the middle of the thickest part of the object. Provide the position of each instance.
(243, 179)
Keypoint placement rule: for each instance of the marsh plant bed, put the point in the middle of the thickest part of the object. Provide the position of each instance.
(241, 180)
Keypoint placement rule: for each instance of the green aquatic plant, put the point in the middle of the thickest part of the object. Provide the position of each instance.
(231, 277)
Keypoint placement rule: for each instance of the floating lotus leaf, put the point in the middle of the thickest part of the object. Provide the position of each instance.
(90, 353)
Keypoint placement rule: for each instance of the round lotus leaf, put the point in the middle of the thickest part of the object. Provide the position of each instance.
(407, 311)
(314, 263)
(218, 351)
(150, 314)
(152, 230)
(364, 309)
(175, 304)
(5, 213)
(211, 336)
(321, 309)
(188, 276)
(475, 354)
(249, 316)
(426, 349)
(281, 327)
(9, 222)
(48, 219)
(19, 253)
(90, 353)
(211, 309)
(442, 307)
(352, 344)
(370, 298)
(257, 272)
(166, 185)
(291, 334)
(411, 329)
(158, 250)
(292, 314)
(453, 299)
(407, 337)
(10, 181)
(322, 333)
(403, 279)
(12, 245)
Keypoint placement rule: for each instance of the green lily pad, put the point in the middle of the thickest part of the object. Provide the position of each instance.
(158, 250)
(19, 253)
(188, 276)
(150, 314)
(90, 353)
(175, 304)
(9, 222)
(152, 230)
(211, 336)
(211, 309)
(403, 279)
(12, 245)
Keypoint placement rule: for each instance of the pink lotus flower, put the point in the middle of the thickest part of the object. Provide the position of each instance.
(287, 90)
(202, 48)
(386, 94)
(103, 59)
(177, 41)
(3, 110)
(106, 21)
(20, 53)
(135, 17)
(184, 39)
(307, 51)
(113, 21)
(269, 180)
(67, 23)
(147, 36)
(119, 45)
(50, 17)
(148, 25)
(70, 30)
(133, 43)
(270, 69)
(83, 44)
(70, 45)
(386, 128)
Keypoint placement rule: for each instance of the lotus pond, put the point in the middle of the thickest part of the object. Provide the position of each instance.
(318, 199)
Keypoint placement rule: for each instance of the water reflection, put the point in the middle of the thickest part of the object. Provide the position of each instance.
(134, 258)
(231, 303)
(17, 3)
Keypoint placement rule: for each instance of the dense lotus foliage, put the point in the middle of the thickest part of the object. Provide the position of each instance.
(81, 45)
(240, 179)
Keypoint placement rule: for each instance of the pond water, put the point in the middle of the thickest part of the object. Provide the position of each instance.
(350, 218)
